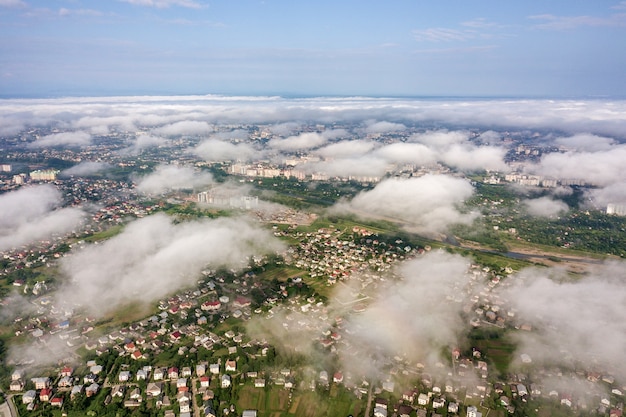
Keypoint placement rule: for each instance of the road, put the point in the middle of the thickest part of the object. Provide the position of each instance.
(7, 409)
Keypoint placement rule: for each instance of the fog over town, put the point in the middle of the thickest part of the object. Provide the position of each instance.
(386, 241)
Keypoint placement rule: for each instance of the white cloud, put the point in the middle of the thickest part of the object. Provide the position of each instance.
(345, 149)
(472, 158)
(217, 150)
(143, 142)
(407, 153)
(384, 127)
(545, 207)
(611, 194)
(34, 213)
(86, 168)
(427, 204)
(586, 142)
(153, 257)
(601, 168)
(187, 127)
(303, 141)
(172, 177)
(70, 139)
(357, 166)
(574, 321)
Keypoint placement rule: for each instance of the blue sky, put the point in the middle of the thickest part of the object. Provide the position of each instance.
(397, 48)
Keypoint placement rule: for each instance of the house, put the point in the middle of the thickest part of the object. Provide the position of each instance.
(338, 377)
(241, 302)
(132, 403)
(473, 412)
(453, 408)
(211, 305)
(259, 383)
(29, 397)
(41, 382)
(45, 395)
(409, 396)
(153, 389)
(117, 391)
(225, 381)
(159, 374)
(423, 399)
(231, 366)
(17, 375)
(204, 381)
(142, 375)
(186, 372)
(381, 402)
(209, 412)
(135, 394)
(185, 407)
(16, 385)
(323, 377)
(181, 383)
(65, 382)
(389, 386)
(200, 369)
(172, 373)
(183, 397)
(90, 378)
(67, 371)
(214, 368)
(380, 412)
(439, 402)
(289, 383)
(76, 389)
(124, 376)
(57, 402)
(249, 413)
(92, 390)
(136, 355)
(95, 369)
(404, 410)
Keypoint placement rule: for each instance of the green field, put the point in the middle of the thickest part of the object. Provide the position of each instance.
(275, 401)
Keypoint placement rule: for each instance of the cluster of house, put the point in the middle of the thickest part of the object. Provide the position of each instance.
(187, 382)
(329, 255)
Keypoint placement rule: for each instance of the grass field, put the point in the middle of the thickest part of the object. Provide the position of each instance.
(498, 349)
(276, 402)
(105, 234)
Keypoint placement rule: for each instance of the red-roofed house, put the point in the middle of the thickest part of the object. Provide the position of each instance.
(45, 395)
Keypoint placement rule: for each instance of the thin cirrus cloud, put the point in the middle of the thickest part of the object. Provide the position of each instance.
(442, 35)
(549, 21)
(12, 3)
(162, 4)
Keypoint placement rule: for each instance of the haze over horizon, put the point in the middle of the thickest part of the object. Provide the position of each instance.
(445, 48)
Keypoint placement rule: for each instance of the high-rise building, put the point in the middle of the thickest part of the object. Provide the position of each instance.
(44, 175)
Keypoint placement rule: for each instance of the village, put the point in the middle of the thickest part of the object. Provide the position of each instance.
(194, 355)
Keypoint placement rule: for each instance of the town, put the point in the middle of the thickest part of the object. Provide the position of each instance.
(302, 331)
